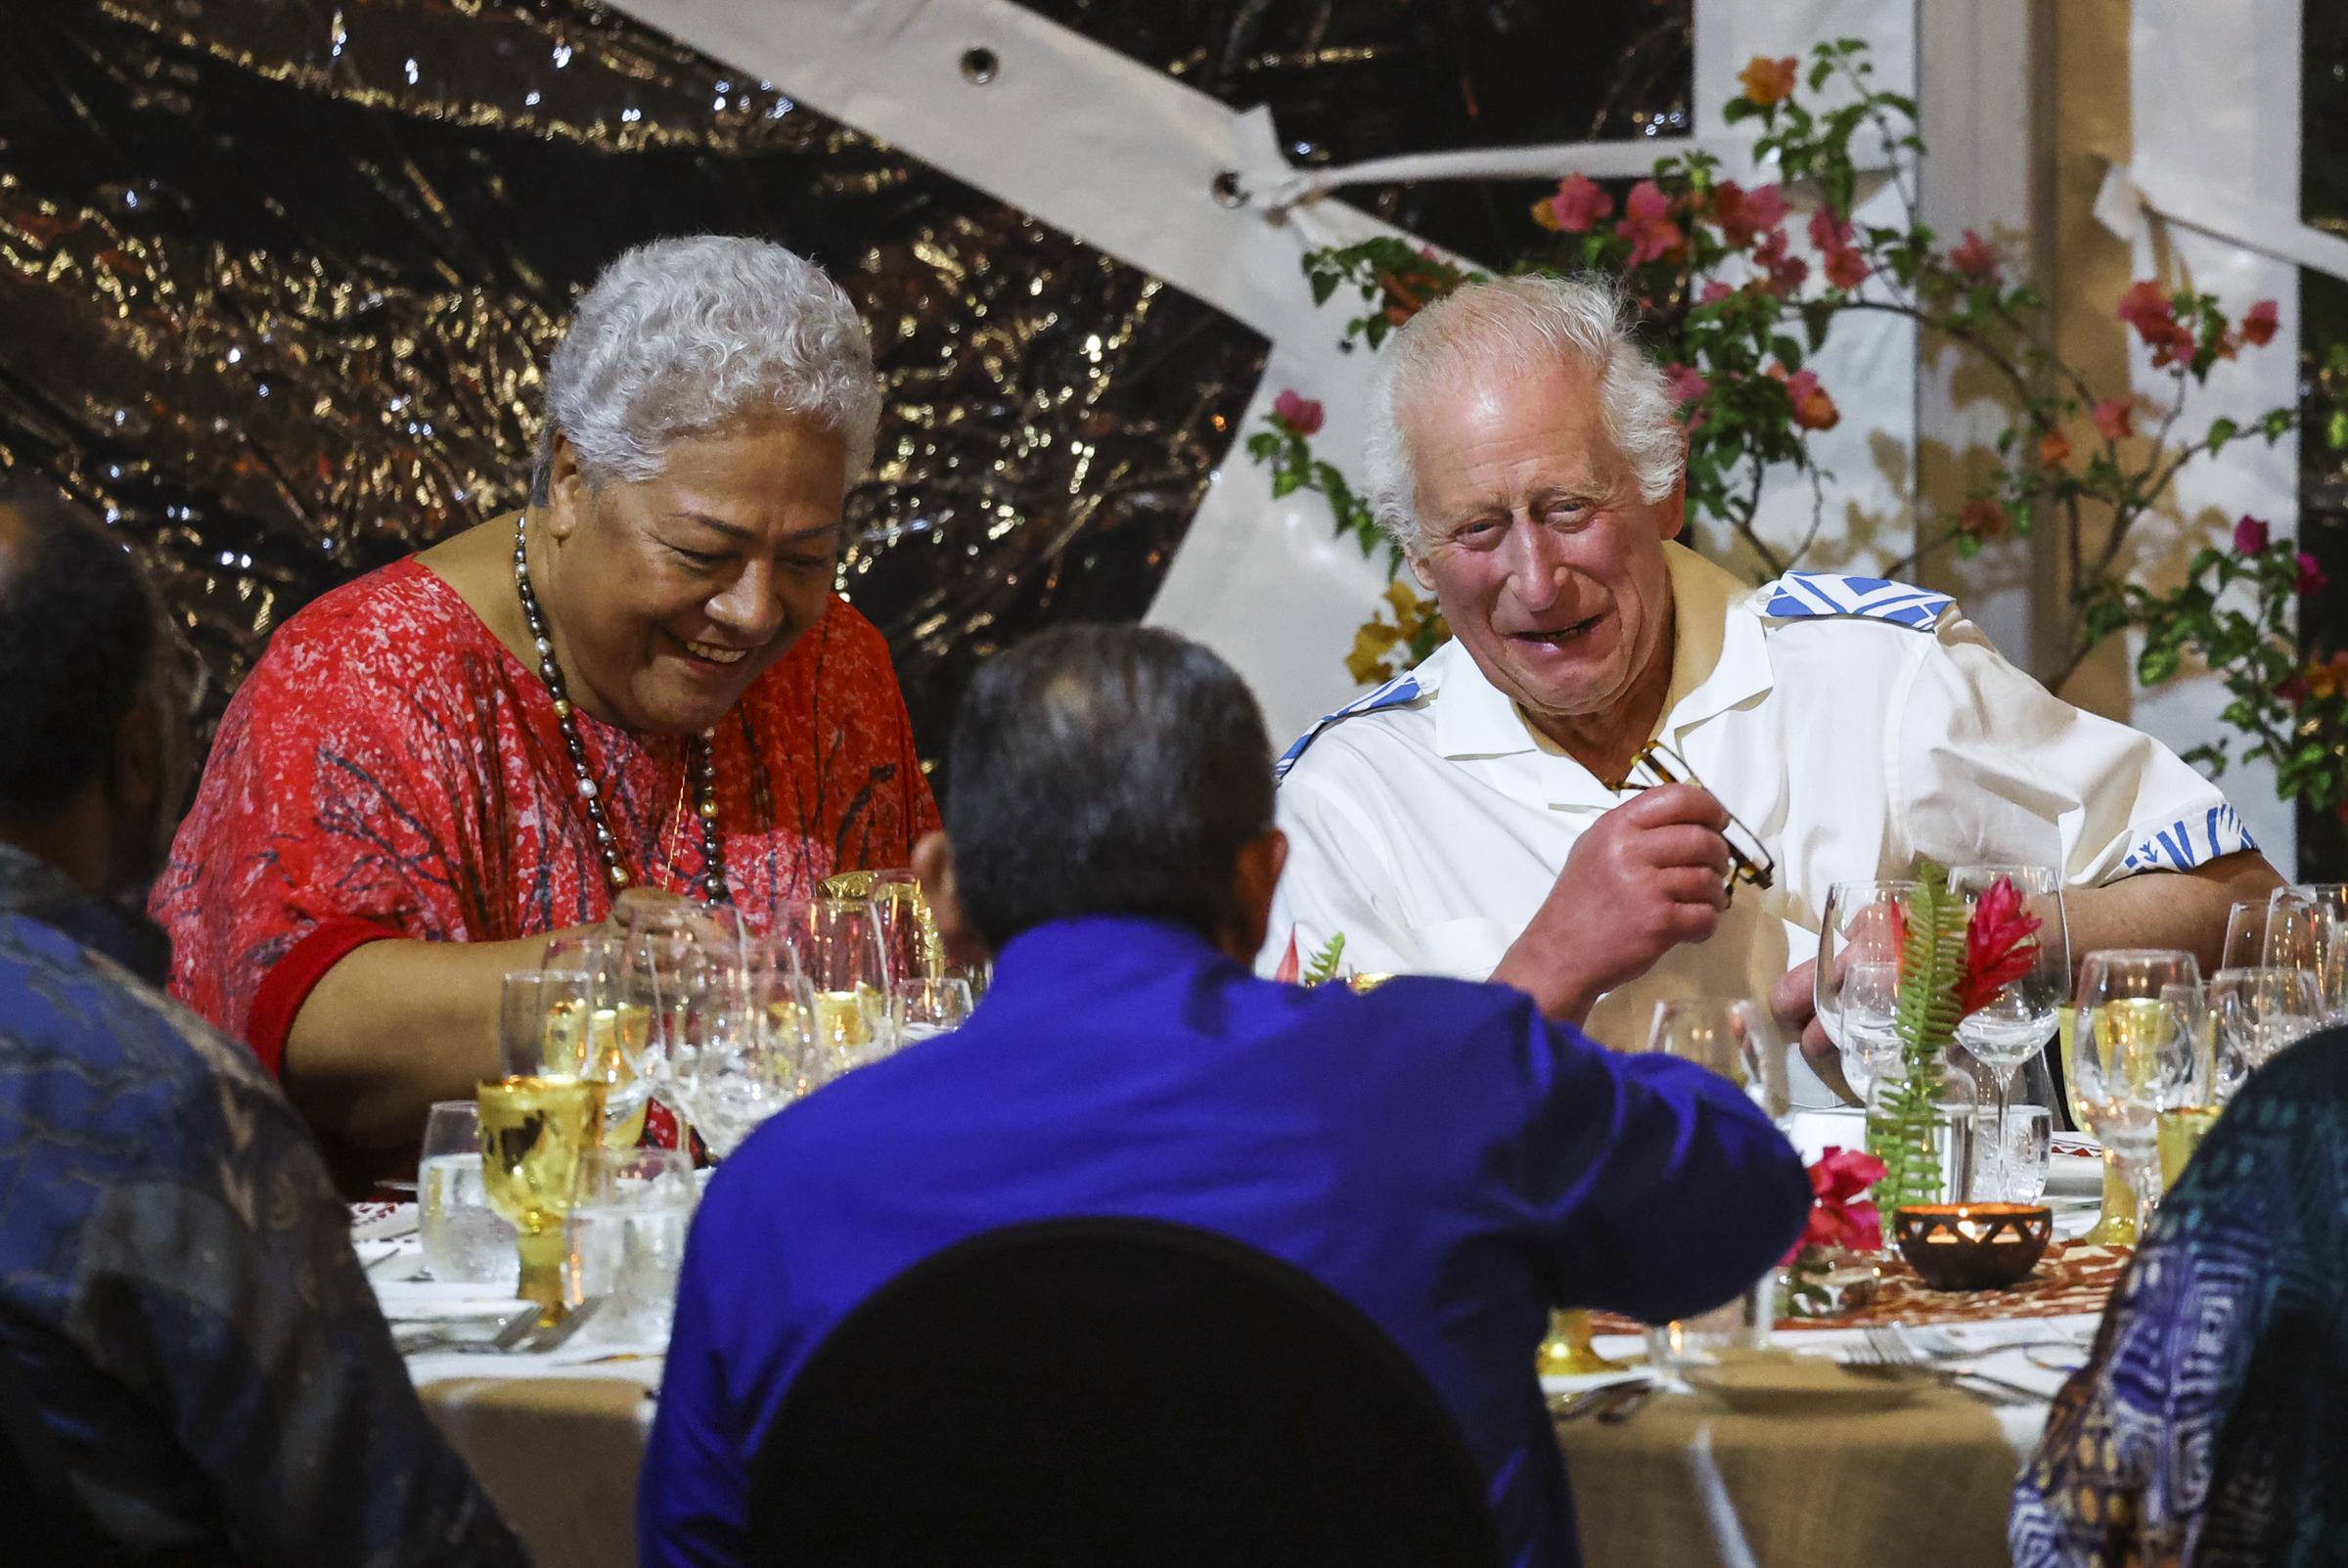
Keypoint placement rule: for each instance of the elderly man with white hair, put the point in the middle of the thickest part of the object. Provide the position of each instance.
(640, 679)
(1468, 818)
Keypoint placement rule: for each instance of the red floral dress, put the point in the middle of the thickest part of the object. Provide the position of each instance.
(388, 769)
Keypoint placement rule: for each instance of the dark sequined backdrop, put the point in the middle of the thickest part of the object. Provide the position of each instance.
(277, 276)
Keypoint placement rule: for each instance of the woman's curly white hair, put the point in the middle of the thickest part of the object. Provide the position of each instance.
(697, 336)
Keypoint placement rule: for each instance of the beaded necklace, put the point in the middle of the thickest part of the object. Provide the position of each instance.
(701, 758)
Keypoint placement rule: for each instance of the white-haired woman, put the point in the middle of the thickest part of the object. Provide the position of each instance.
(642, 679)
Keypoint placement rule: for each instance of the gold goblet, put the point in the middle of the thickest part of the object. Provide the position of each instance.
(1566, 1352)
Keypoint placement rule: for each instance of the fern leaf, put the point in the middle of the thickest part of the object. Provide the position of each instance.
(1324, 968)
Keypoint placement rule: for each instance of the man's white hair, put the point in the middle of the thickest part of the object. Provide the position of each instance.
(697, 336)
(1511, 327)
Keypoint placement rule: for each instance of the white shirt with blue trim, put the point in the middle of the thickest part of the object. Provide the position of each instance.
(1853, 724)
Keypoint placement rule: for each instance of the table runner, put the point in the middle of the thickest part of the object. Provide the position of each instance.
(559, 1457)
(2071, 1278)
(1691, 1483)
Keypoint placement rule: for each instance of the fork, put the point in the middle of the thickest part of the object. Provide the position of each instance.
(1888, 1347)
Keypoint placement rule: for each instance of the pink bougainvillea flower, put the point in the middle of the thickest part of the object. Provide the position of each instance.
(1578, 204)
(1714, 292)
(1685, 383)
(2147, 309)
(1976, 257)
(2259, 324)
(1742, 214)
(1298, 412)
(1785, 270)
(1813, 409)
(1838, 256)
(2054, 450)
(2313, 578)
(2250, 535)
(2113, 419)
(1646, 224)
(1768, 81)
(2293, 688)
(1982, 518)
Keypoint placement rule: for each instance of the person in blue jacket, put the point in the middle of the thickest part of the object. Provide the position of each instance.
(1435, 1151)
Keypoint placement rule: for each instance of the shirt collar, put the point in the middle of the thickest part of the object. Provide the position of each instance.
(1093, 953)
(1718, 660)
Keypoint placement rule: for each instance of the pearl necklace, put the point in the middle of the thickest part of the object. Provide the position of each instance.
(700, 759)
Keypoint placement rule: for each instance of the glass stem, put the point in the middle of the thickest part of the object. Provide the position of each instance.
(543, 1254)
(2001, 1157)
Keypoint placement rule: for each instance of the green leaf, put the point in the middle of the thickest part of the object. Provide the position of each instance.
(1325, 284)
(1788, 352)
(1737, 109)
(2155, 664)
(2221, 431)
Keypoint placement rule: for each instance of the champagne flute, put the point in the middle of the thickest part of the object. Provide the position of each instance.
(2137, 1015)
(839, 949)
(1856, 982)
(2019, 1022)
(538, 1120)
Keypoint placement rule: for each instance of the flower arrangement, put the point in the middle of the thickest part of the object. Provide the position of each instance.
(1842, 1218)
(1950, 964)
(1735, 313)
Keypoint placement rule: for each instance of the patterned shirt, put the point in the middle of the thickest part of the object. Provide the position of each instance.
(389, 769)
(178, 1292)
(2211, 1424)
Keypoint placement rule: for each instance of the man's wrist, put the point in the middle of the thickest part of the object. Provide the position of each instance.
(1561, 998)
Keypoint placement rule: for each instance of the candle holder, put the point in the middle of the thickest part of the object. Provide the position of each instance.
(1567, 1351)
(1972, 1246)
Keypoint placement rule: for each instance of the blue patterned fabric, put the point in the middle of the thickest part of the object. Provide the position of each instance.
(1397, 693)
(2189, 841)
(177, 1288)
(2210, 1427)
(1801, 593)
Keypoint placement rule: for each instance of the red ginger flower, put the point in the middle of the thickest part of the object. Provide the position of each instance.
(1837, 1216)
(2000, 945)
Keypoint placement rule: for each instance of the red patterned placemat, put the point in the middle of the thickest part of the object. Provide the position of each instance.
(2071, 1278)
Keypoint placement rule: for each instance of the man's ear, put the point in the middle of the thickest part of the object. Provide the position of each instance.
(566, 488)
(933, 864)
(1254, 876)
(135, 778)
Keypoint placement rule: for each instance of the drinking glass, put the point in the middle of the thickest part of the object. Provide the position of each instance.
(921, 1009)
(2020, 1166)
(672, 953)
(1857, 979)
(627, 1237)
(747, 1054)
(908, 930)
(463, 1239)
(538, 1120)
(617, 1028)
(2019, 1022)
(2135, 1038)
(2313, 934)
(839, 949)
(1736, 1037)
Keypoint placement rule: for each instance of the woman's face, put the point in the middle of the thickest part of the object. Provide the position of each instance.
(668, 596)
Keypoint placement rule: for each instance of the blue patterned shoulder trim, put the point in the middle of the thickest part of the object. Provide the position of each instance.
(1397, 693)
(1803, 593)
(2188, 842)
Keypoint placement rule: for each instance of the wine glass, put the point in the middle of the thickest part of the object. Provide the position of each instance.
(616, 1027)
(1736, 1037)
(2314, 934)
(664, 949)
(538, 1120)
(2138, 1025)
(749, 1018)
(1855, 984)
(840, 949)
(921, 1009)
(2258, 1011)
(2017, 1022)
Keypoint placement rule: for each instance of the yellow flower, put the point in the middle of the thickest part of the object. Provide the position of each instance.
(1372, 643)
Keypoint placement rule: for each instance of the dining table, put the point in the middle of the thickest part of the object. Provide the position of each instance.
(1920, 1475)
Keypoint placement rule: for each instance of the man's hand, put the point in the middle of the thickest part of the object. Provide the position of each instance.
(1795, 1002)
(1648, 876)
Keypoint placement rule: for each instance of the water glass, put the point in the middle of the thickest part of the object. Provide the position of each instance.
(1736, 1037)
(2015, 1024)
(1855, 984)
(2307, 926)
(744, 1051)
(2134, 1041)
(2014, 1168)
(464, 1240)
(921, 1009)
(1741, 1324)
(2257, 1012)
(627, 1238)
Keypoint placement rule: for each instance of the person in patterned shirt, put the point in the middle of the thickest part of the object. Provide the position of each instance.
(192, 1365)
(644, 680)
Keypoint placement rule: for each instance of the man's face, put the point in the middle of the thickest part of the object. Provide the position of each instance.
(1549, 565)
(671, 594)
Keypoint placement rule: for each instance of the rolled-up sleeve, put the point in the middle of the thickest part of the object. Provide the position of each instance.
(1986, 764)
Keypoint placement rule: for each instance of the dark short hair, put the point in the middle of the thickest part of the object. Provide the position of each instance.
(1103, 770)
(78, 627)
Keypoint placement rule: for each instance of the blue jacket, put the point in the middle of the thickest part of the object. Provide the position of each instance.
(1435, 1151)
